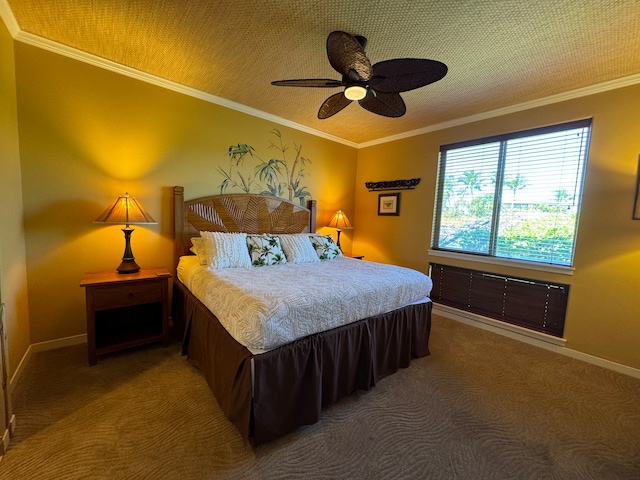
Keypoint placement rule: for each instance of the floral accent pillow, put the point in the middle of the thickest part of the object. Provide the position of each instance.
(265, 250)
(325, 247)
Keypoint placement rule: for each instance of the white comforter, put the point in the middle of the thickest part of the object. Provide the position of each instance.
(266, 307)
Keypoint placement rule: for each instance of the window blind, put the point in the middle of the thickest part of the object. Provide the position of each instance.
(513, 196)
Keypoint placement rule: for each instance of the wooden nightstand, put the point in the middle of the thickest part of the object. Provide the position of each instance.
(359, 257)
(126, 310)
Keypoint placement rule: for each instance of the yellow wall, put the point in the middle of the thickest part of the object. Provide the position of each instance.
(603, 317)
(88, 135)
(13, 272)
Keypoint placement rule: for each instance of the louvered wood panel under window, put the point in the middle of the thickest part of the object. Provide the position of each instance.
(532, 304)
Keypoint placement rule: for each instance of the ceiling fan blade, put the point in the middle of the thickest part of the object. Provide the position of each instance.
(404, 74)
(346, 56)
(309, 82)
(385, 104)
(333, 105)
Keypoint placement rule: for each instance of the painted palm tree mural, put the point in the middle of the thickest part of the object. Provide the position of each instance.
(278, 176)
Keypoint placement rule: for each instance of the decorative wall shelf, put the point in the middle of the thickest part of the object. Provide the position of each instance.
(393, 185)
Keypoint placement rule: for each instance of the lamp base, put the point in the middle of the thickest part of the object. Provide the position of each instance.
(128, 266)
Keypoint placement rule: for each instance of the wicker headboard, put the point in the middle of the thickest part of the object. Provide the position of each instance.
(247, 213)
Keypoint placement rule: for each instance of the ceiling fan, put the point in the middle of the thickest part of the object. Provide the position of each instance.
(376, 88)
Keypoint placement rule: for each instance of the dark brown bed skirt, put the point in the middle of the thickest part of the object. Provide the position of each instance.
(293, 382)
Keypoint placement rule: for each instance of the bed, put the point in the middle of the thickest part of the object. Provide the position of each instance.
(268, 389)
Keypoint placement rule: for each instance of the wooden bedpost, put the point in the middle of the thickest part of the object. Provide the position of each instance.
(178, 224)
(311, 205)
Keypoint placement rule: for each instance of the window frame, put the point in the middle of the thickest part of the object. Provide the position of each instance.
(503, 139)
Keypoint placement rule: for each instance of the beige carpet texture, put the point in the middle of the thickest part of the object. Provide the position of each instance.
(482, 406)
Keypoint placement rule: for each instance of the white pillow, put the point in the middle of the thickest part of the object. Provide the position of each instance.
(199, 248)
(227, 250)
(298, 248)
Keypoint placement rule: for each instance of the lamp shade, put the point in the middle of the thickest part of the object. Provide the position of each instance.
(339, 221)
(125, 210)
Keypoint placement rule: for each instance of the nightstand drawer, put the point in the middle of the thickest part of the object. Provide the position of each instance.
(116, 296)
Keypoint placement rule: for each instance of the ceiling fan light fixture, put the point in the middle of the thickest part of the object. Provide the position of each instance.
(355, 92)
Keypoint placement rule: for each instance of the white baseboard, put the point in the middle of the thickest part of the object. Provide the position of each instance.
(548, 342)
(41, 347)
(6, 438)
(537, 339)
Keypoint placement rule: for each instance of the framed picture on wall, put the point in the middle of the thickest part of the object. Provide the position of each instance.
(636, 202)
(389, 204)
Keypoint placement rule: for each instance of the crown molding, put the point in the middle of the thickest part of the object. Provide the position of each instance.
(539, 102)
(12, 25)
(9, 20)
(74, 53)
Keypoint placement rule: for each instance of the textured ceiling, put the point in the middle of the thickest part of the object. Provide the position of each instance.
(500, 53)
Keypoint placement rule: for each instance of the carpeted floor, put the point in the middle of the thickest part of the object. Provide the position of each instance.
(482, 406)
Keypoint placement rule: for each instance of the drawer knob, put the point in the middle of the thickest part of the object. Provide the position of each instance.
(130, 295)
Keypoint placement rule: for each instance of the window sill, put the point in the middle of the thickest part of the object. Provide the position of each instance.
(503, 261)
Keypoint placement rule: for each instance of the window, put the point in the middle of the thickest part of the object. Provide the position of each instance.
(513, 196)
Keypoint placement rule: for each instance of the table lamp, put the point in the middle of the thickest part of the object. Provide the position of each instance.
(340, 222)
(127, 210)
